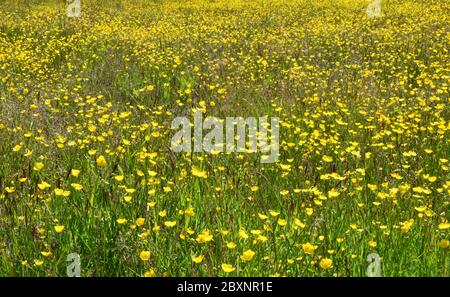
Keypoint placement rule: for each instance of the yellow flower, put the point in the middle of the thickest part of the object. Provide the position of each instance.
(61, 192)
(420, 208)
(198, 172)
(198, 259)
(10, 189)
(372, 187)
(140, 221)
(309, 248)
(38, 262)
(326, 263)
(38, 166)
(262, 216)
(92, 128)
(121, 221)
(443, 226)
(130, 191)
(299, 223)
(261, 238)
(231, 245)
(247, 255)
(286, 167)
(204, 237)
(170, 224)
(77, 187)
(372, 244)
(281, 222)
(59, 228)
(118, 178)
(444, 243)
(101, 161)
(228, 268)
(75, 172)
(145, 255)
(274, 213)
(407, 226)
(333, 193)
(243, 234)
(42, 186)
(150, 273)
(46, 253)
(327, 159)
(189, 212)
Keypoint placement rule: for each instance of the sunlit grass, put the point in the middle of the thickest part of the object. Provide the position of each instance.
(86, 167)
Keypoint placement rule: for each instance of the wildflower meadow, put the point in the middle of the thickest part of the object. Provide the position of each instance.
(224, 138)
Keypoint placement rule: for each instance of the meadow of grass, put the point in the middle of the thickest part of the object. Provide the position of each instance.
(86, 165)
